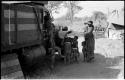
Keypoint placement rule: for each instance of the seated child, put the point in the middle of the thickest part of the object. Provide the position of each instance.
(84, 51)
(75, 49)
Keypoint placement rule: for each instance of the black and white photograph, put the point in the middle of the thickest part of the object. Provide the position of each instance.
(62, 39)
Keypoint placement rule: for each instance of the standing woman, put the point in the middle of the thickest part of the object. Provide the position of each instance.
(89, 40)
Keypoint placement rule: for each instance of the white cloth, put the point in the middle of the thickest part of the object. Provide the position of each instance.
(62, 34)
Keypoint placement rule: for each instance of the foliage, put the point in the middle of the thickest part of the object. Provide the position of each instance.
(71, 5)
(53, 6)
(99, 19)
(97, 15)
(73, 9)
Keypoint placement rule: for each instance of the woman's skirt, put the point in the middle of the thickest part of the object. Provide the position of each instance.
(90, 46)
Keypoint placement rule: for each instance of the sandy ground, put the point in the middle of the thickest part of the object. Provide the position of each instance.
(108, 63)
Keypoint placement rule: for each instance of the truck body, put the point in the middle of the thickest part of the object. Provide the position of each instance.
(21, 29)
(20, 26)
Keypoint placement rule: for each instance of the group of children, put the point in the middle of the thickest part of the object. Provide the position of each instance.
(71, 49)
(74, 51)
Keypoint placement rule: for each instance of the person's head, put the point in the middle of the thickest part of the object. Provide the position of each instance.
(75, 37)
(90, 22)
(47, 17)
(65, 28)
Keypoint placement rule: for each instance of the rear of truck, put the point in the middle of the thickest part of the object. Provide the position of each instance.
(22, 37)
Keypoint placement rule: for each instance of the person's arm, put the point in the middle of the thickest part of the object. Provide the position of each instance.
(69, 32)
(77, 45)
(90, 30)
(62, 42)
(86, 31)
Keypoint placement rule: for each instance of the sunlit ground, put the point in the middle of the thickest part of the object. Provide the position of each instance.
(108, 64)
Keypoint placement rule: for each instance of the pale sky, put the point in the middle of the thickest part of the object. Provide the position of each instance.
(9, 2)
(90, 6)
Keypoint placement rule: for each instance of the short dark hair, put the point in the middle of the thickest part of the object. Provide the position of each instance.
(91, 22)
(76, 37)
(65, 29)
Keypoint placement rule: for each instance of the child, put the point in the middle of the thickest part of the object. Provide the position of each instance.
(84, 51)
(75, 48)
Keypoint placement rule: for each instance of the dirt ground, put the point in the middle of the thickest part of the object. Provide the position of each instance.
(108, 64)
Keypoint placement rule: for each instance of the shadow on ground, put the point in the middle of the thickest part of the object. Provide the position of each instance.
(101, 68)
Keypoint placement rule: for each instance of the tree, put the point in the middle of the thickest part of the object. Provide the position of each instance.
(53, 6)
(73, 9)
(99, 18)
(71, 5)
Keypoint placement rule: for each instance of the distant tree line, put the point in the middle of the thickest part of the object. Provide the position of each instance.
(71, 5)
(99, 18)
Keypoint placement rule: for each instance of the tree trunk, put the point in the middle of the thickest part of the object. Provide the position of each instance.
(71, 12)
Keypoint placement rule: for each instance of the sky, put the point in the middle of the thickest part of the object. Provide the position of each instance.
(9, 2)
(90, 6)
(62, 12)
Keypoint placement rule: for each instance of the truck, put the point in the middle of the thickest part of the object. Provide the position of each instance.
(22, 37)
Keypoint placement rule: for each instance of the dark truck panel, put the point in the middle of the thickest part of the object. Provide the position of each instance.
(19, 26)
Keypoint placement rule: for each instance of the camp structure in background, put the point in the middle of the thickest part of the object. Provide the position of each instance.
(115, 29)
